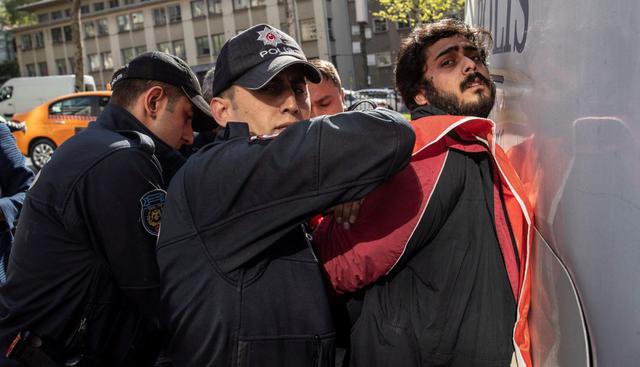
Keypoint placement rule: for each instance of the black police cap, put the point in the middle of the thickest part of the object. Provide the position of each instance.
(163, 67)
(255, 56)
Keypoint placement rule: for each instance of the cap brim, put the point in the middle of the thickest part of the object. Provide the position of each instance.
(202, 119)
(262, 74)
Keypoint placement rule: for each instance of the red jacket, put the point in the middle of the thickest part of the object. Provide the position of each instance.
(373, 247)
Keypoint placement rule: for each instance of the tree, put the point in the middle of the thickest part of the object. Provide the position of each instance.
(75, 34)
(11, 16)
(416, 12)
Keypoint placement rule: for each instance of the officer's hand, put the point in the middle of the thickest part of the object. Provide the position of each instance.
(347, 213)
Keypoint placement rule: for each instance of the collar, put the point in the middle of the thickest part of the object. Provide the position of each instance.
(234, 130)
(116, 118)
(426, 110)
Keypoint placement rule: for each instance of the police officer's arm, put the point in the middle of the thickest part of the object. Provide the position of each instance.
(260, 189)
(119, 225)
(342, 156)
(396, 221)
(15, 179)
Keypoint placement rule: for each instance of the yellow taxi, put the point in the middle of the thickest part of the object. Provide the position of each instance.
(52, 123)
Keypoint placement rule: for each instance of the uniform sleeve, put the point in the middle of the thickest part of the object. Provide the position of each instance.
(248, 193)
(15, 179)
(121, 201)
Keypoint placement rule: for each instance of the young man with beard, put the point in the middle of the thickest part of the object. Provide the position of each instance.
(443, 246)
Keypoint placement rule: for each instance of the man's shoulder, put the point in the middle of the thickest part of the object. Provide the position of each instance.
(92, 152)
(93, 145)
(101, 139)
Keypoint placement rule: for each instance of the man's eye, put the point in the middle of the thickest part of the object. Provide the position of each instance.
(270, 88)
(300, 90)
(447, 62)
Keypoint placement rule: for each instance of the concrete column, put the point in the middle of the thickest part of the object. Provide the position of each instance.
(273, 13)
(343, 43)
(48, 51)
(21, 63)
(114, 41)
(320, 17)
(187, 31)
(149, 36)
(229, 19)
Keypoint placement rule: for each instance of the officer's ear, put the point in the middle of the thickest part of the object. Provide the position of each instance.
(153, 98)
(222, 107)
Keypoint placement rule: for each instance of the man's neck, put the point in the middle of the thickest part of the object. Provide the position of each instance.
(426, 110)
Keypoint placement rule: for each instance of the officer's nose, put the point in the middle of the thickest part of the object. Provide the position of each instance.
(290, 104)
(188, 133)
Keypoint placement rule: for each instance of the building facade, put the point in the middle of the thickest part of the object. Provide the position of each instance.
(115, 31)
(366, 49)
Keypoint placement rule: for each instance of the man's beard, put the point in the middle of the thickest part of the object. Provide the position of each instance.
(449, 102)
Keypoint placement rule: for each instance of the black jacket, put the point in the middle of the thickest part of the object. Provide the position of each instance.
(448, 301)
(85, 246)
(241, 285)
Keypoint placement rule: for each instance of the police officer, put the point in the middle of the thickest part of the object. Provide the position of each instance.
(240, 284)
(83, 282)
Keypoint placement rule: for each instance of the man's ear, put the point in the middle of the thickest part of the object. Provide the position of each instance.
(220, 110)
(153, 97)
(421, 98)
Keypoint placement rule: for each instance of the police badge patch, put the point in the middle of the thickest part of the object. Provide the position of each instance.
(151, 210)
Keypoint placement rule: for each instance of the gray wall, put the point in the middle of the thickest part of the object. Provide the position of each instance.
(568, 103)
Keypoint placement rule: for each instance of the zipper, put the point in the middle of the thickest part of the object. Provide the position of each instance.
(309, 238)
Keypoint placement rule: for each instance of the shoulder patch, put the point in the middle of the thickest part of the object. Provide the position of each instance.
(151, 205)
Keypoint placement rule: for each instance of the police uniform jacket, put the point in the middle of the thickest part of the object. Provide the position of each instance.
(85, 247)
(241, 284)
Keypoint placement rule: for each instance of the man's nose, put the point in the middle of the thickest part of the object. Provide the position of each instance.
(468, 65)
(315, 111)
(188, 134)
(290, 103)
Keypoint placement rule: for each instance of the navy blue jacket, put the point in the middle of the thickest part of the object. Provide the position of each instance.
(84, 247)
(241, 284)
(15, 179)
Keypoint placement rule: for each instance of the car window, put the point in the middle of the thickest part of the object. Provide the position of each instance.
(6, 92)
(102, 103)
(72, 106)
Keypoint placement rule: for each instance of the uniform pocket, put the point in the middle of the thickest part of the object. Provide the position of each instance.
(312, 351)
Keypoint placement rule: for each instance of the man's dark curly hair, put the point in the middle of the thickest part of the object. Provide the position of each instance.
(412, 56)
